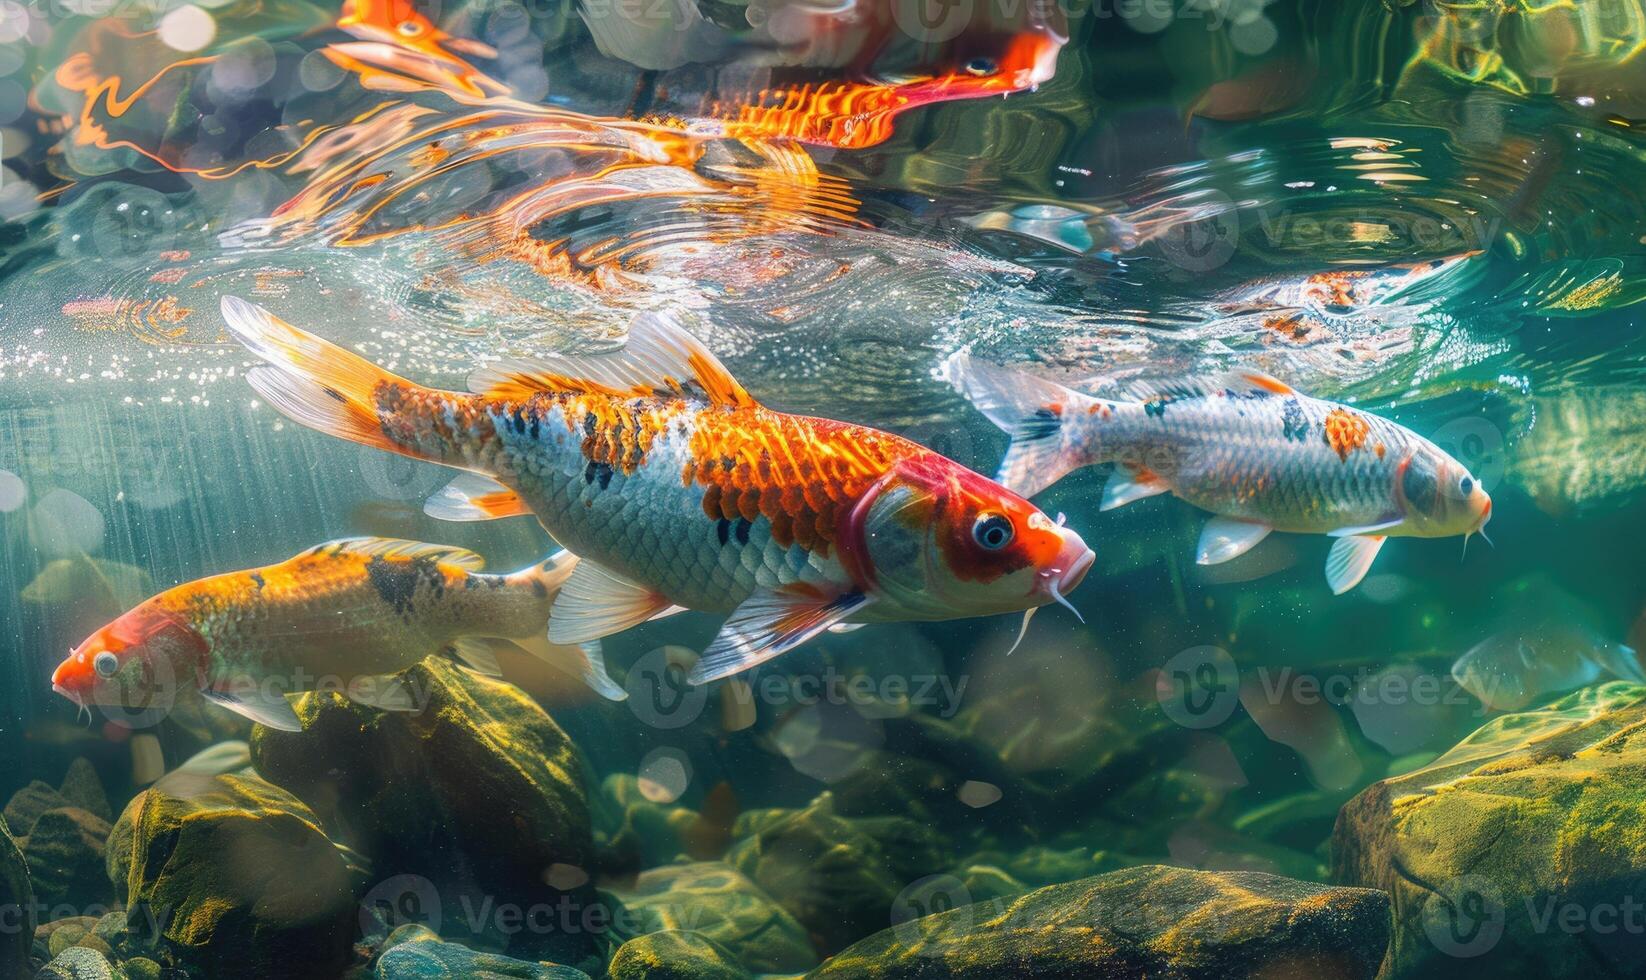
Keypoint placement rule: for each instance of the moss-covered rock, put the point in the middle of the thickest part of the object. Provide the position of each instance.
(79, 963)
(717, 902)
(1158, 922)
(27, 804)
(65, 854)
(674, 955)
(630, 824)
(838, 876)
(16, 906)
(243, 880)
(414, 952)
(81, 787)
(1522, 849)
(478, 792)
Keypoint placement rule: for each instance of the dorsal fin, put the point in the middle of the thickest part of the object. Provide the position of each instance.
(399, 548)
(659, 357)
(1243, 384)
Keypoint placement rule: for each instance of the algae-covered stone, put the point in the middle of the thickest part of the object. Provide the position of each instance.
(27, 804)
(478, 792)
(674, 955)
(1158, 922)
(1523, 849)
(82, 788)
(65, 853)
(242, 878)
(416, 953)
(717, 902)
(629, 823)
(837, 876)
(79, 963)
(16, 906)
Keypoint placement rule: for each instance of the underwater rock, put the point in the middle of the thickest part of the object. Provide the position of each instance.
(837, 876)
(1152, 921)
(16, 906)
(78, 930)
(674, 955)
(1522, 848)
(717, 902)
(479, 793)
(83, 789)
(79, 963)
(242, 879)
(630, 824)
(27, 804)
(415, 952)
(65, 853)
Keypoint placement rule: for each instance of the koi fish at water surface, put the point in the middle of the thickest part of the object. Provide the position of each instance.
(347, 613)
(1245, 446)
(678, 490)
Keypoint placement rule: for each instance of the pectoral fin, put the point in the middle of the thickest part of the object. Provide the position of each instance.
(473, 497)
(477, 655)
(1127, 484)
(584, 661)
(771, 622)
(1225, 538)
(271, 710)
(1349, 560)
(597, 602)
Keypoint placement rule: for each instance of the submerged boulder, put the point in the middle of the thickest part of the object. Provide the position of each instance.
(838, 876)
(241, 879)
(1158, 922)
(79, 963)
(414, 952)
(27, 804)
(16, 907)
(476, 796)
(81, 787)
(717, 902)
(1522, 850)
(674, 955)
(65, 854)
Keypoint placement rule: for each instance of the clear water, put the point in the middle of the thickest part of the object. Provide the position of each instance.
(1427, 210)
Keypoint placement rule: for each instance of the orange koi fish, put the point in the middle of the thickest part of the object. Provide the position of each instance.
(395, 36)
(679, 490)
(1244, 446)
(346, 614)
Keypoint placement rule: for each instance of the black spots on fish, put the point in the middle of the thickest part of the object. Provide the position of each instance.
(1155, 408)
(1420, 484)
(394, 581)
(539, 589)
(1292, 423)
(519, 420)
(601, 472)
(333, 392)
(257, 581)
(591, 425)
(537, 425)
(728, 463)
(1043, 423)
(726, 530)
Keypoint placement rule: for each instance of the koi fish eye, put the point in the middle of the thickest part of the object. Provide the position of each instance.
(410, 28)
(982, 67)
(992, 531)
(106, 664)
(1466, 485)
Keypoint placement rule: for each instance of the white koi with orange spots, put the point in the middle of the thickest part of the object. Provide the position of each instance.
(1245, 446)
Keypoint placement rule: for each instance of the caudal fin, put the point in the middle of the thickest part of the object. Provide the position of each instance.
(1036, 414)
(309, 380)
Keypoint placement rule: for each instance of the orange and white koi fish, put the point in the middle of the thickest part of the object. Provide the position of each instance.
(1244, 446)
(678, 490)
(347, 614)
(394, 35)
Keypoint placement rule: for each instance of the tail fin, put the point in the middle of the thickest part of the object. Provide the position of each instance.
(311, 381)
(585, 661)
(1039, 415)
